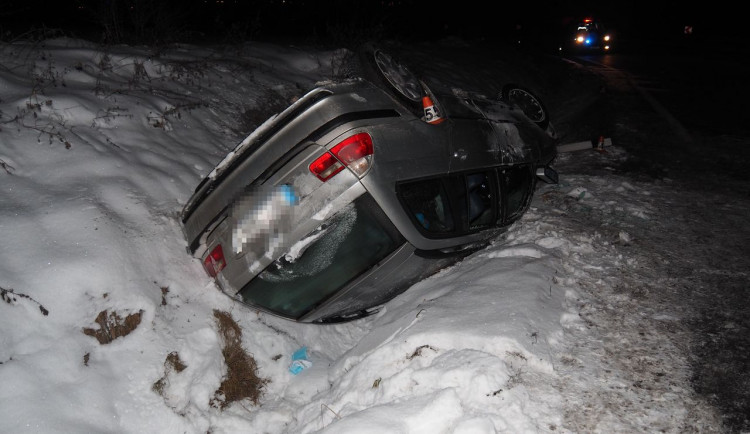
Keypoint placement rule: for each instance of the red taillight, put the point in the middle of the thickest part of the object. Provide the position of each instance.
(326, 166)
(354, 152)
(353, 148)
(214, 262)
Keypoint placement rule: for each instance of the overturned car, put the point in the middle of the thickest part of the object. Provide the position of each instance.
(362, 187)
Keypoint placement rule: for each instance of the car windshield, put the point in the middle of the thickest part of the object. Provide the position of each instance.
(345, 246)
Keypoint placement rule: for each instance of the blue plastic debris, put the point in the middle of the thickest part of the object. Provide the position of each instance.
(299, 361)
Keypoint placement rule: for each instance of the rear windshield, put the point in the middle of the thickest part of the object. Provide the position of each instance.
(342, 248)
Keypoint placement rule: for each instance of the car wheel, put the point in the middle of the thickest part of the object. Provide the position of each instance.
(528, 102)
(386, 71)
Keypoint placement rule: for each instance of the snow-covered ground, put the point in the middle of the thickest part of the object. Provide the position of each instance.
(546, 330)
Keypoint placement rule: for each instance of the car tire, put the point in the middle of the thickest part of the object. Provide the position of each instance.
(528, 102)
(387, 72)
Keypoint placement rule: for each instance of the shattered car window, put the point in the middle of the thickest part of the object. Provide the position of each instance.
(345, 246)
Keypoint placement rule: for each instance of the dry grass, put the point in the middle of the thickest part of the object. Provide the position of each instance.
(164, 292)
(11, 297)
(418, 351)
(159, 385)
(242, 380)
(171, 363)
(113, 326)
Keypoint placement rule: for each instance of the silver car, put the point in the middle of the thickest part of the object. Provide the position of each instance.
(363, 187)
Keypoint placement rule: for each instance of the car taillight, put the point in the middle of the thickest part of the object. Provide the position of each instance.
(354, 152)
(215, 262)
(325, 166)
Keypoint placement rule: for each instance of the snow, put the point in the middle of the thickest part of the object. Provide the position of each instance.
(101, 148)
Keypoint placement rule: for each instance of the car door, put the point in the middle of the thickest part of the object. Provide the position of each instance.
(473, 144)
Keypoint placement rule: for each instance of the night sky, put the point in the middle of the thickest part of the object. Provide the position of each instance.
(153, 21)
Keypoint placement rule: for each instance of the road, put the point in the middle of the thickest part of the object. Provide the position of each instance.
(696, 106)
(682, 118)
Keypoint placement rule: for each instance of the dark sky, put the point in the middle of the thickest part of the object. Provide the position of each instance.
(222, 20)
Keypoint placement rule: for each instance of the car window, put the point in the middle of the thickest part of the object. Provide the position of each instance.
(345, 246)
(427, 201)
(451, 205)
(517, 183)
(462, 203)
(480, 196)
